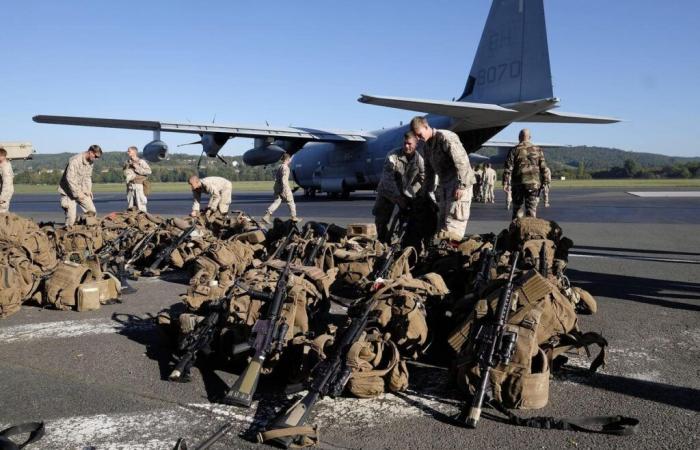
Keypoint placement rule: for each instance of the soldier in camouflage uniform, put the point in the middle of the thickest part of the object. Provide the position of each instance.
(445, 157)
(523, 173)
(489, 184)
(283, 193)
(136, 171)
(219, 190)
(546, 185)
(75, 186)
(7, 187)
(402, 178)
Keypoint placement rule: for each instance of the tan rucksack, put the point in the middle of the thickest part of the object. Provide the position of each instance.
(376, 366)
(546, 326)
(19, 277)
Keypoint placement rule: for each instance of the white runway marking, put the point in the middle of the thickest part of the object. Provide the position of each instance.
(65, 329)
(664, 194)
(160, 428)
(638, 258)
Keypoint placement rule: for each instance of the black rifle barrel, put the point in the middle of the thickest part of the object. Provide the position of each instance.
(488, 344)
(243, 389)
(317, 246)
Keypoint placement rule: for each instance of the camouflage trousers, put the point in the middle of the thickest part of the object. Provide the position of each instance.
(70, 207)
(527, 198)
(286, 197)
(489, 195)
(453, 215)
(220, 201)
(382, 211)
(135, 197)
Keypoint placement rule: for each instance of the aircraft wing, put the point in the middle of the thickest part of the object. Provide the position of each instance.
(291, 133)
(564, 117)
(474, 113)
(498, 144)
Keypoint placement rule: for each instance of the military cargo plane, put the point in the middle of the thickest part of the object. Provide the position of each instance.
(510, 81)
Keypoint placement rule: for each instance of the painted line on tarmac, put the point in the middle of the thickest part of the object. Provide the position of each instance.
(67, 329)
(161, 428)
(637, 258)
(665, 194)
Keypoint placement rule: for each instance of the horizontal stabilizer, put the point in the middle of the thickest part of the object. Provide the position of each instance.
(564, 117)
(477, 112)
(509, 144)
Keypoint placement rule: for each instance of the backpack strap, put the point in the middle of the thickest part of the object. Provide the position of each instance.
(304, 436)
(36, 431)
(614, 425)
(576, 340)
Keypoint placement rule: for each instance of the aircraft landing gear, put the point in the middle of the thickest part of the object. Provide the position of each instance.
(309, 192)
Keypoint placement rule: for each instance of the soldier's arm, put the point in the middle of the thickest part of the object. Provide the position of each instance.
(543, 167)
(73, 178)
(285, 175)
(460, 160)
(196, 199)
(419, 181)
(7, 183)
(508, 167)
(142, 168)
(393, 190)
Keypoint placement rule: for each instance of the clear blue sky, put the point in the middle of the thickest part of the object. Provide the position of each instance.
(305, 63)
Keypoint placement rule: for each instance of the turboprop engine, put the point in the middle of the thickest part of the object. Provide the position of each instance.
(265, 152)
(155, 151)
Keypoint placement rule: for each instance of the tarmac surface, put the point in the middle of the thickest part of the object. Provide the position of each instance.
(98, 378)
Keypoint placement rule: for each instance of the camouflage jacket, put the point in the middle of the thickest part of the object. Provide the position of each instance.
(524, 164)
(547, 175)
(445, 157)
(490, 176)
(282, 179)
(77, 177)
(7, 187)
(401, 173)
(134, 169)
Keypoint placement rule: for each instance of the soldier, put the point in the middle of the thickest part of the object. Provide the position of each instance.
(136, 171)
(478, 186)
(509, 196)
(523, 172)
(402, 178)
(219, 190)
(7, 187)
(283, 193)
(489, 184)
(75, 186)
(445, 157)
(546, 185)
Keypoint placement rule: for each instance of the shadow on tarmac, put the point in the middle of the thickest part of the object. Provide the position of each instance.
(677, 396)
(643, 290)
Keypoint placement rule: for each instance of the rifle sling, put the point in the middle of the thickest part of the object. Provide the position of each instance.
(36, 431)
(614, 425)
(304, 436)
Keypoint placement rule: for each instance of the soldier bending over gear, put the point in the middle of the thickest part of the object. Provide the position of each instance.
(283, 193)
(546, 186)
(7, 187)
(445, 157)
(219, 190)
(136, 171)
(402, 178)
(523, 172)
(75, 186)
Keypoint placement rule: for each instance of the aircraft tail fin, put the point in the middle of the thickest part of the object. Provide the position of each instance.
(512, 62)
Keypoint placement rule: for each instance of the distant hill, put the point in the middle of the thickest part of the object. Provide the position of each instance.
(598, 159)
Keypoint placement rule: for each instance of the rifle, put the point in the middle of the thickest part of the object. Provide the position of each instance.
(487, 263)
(269, 336)
(294, 230)
(309, 260)
(201, 337)
(494, 345)
(140, 248)
(331, 375)
(166, 251)
(118, 268)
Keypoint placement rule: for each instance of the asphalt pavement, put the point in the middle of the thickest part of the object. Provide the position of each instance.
(98, 379)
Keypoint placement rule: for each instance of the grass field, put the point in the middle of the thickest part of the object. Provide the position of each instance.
(257, 186)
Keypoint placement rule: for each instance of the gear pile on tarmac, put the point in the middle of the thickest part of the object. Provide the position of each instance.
(320, 308)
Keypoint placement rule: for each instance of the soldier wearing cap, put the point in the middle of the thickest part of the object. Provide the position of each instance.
(7, 187)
